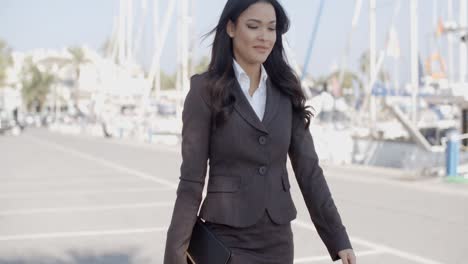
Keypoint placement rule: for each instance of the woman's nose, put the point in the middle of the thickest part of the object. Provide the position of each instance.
(263, 34)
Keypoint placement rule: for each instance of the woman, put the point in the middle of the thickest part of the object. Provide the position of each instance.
(245, 115)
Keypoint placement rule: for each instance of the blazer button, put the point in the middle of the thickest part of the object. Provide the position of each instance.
(262, 140)
(262, 170)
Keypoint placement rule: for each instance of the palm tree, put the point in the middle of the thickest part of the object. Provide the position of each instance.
(106, 47)
(5, 61)
(364, 66)
(77, 60)
(36, 85)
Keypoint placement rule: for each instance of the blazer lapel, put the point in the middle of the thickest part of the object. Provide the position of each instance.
(272, 101)
(244, 108)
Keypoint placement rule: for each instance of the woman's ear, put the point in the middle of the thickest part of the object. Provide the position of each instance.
(230, 28)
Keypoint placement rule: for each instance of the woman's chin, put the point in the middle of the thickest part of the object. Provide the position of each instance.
(259, 59)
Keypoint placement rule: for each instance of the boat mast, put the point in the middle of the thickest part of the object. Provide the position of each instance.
(463, 45)
(414, 60)
(373, 61)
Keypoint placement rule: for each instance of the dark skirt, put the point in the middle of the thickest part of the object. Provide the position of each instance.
(262, 243)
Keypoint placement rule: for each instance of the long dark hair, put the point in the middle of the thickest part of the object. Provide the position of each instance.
(221, 78)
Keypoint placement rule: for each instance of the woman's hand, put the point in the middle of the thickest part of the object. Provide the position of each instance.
(347, 256)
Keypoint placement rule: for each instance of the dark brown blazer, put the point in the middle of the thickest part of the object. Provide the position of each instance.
(247, 170)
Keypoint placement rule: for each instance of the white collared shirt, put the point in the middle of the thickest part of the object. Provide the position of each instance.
(258, 99)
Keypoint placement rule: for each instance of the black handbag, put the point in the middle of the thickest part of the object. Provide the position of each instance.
(205, 247)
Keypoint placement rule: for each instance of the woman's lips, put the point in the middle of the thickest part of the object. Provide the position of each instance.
(261, 49)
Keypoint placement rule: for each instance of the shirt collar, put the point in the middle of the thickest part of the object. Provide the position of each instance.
(240, 73)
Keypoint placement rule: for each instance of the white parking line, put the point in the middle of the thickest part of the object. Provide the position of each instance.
(396, 252)
(327, 257)
(139, 145)
(416, 186)
(375, 246)
(83, 209)
(64, 181)
(83, 234)
(104, 162)
(79, 192)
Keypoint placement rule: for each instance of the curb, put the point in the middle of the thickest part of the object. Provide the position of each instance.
(456, 179)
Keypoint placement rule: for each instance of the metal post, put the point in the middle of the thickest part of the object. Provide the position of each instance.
(312, 39)
(150, 135)
(414, 60)
(356, 15)
(373, 61)
(129, 32)
(121, 30)
(157, 47)
(185, 19)
(161, 31)
(182, 54)
(452, 154)
(450, 68)
(463, 46)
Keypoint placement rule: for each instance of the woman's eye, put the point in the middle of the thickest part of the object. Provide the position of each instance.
(255, 27)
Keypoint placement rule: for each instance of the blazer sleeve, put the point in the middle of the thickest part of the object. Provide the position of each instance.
(315, 191)
(196, 118)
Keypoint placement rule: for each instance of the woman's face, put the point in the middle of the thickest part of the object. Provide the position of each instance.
(254, 33)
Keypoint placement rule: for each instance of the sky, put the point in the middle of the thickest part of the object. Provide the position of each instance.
(56, 24)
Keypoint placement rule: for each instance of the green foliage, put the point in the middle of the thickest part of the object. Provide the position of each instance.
(202, 65)
(364, 67)
(78, 59)
(78, 56)
(349, 79)
(36, 84)
(106, 47)
(168, 82)
(5, 61)
(364, 63)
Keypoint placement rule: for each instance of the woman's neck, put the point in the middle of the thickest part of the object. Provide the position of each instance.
(254, 72)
